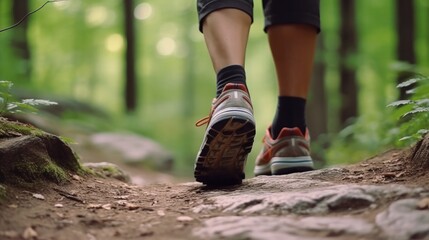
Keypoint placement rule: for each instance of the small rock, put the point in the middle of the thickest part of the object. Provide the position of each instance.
(423, 204)
(131, 206)
(400, 174)
(12, 206)
(29, 233)
(160, 213)
(109, 170)
(73, 192)
(124, 197)
(121, 202)
(94, 206)
(38, 196)
(184, 219)
(350, 200)
(76, 177)
(59, 205)
(107, 206)
(134, 149)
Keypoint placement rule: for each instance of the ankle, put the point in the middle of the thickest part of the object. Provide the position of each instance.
(290, 113)
(230, 74)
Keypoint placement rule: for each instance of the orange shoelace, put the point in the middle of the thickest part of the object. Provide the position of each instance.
(203, 121)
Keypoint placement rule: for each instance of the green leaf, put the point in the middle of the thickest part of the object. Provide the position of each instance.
(417, 110)
(400, 103)
(423, 131)
(11, 106)
(6, 84)
(411, 91)
(26, 107)
(37, 102)
(409, 82)
(405, 138)
(422, 103)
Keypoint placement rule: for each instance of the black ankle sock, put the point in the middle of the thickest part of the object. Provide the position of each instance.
(290, 113)
(230, 74)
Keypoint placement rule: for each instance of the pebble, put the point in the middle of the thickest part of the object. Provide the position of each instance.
(107, 206)
(423, 204)
(184, 219)
(131, 206)
(160, 213)
(94, 206)
(124, 197)
(76, 177)
(38, 196)
(29, 233)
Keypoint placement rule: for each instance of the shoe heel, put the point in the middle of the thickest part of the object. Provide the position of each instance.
(224, 152)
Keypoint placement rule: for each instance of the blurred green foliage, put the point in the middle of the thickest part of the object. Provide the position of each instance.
(405, 122)
(413, 112)
(77, 52)
(8, 103)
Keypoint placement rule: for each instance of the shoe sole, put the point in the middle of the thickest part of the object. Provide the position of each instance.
(225, 147)
(286, 165)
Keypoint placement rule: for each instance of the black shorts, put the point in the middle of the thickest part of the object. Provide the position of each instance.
(275, 11)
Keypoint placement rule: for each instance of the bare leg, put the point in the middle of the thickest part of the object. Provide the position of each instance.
(231, 126)
(226, 32)
(293, 48)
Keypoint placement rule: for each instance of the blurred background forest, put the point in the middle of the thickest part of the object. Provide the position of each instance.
(144, 65)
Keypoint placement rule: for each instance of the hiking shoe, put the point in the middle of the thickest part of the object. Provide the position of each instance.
(289, 153)
(228, 138)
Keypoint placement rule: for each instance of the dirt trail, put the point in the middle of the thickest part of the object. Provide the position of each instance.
(339, 203)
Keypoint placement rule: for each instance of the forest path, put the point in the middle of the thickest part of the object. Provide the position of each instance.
(376, 199)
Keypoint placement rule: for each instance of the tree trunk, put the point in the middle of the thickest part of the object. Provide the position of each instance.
(405, 25)
(20, 38)
(130, 73)
(316, 111)
(348, 47)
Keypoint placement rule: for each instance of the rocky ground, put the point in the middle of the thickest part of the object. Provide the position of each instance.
(385, 197)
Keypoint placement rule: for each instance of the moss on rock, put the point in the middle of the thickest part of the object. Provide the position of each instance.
(105, 169)
(29, 155)
(12, 129)
(55, 173)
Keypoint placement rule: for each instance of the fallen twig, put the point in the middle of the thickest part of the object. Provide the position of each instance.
(68, 195)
